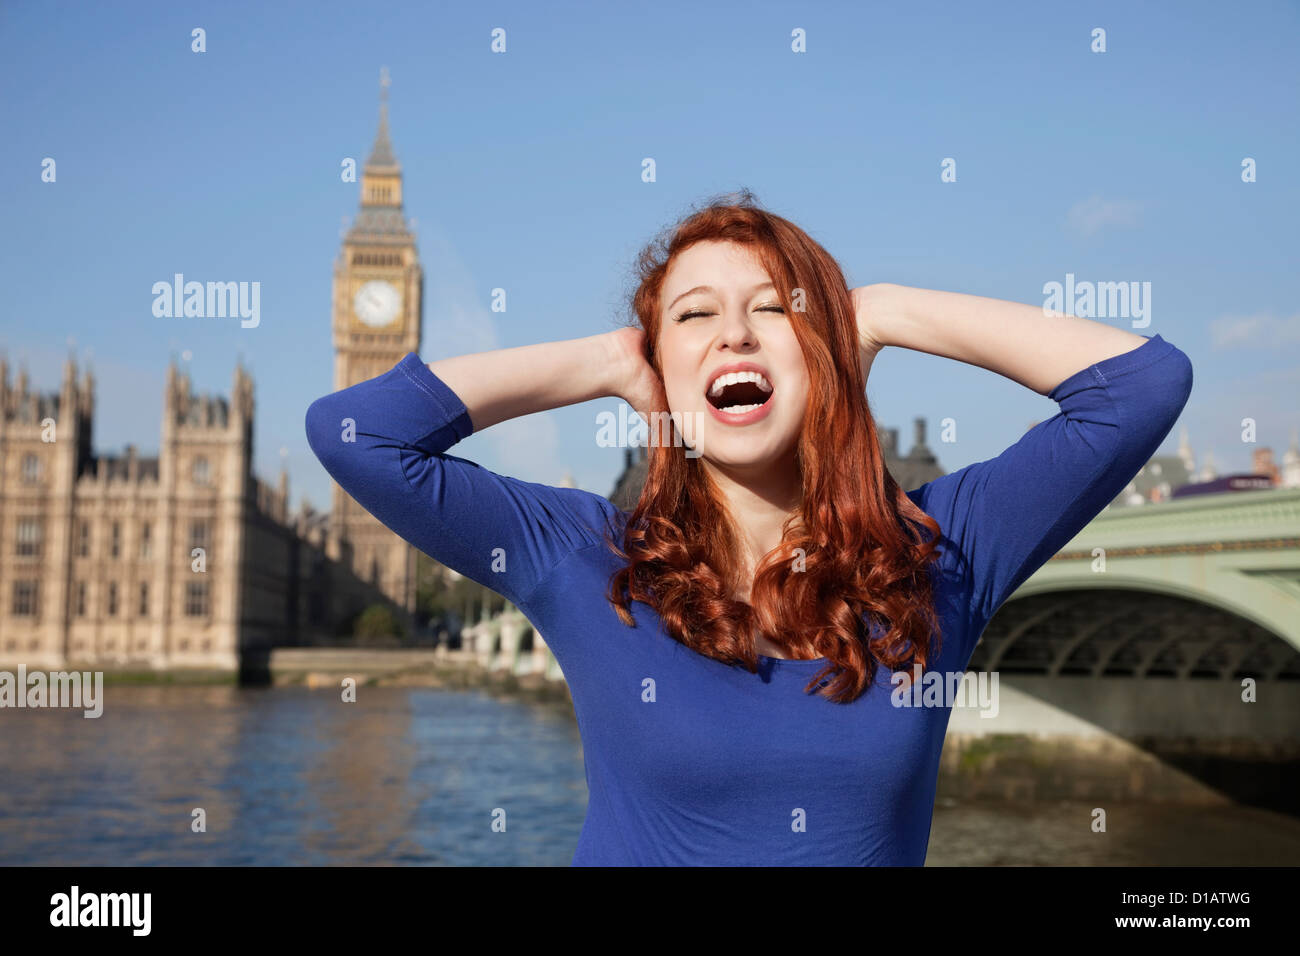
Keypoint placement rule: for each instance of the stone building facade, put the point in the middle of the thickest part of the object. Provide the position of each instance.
(184, 560)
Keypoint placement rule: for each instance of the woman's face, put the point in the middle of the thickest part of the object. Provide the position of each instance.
(719, 309)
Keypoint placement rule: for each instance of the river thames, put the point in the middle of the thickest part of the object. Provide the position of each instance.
(293, 776)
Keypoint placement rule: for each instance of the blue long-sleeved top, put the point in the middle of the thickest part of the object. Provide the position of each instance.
(693, 761)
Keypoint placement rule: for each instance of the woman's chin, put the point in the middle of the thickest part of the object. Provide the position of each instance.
(738, 453)
(759, 444)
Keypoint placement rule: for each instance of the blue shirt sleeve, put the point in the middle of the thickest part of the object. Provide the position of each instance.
(1005, 517)
(384, 441)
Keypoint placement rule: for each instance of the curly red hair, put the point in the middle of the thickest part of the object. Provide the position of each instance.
(858, 551)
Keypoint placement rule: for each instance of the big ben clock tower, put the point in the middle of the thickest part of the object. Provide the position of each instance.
(377, 313)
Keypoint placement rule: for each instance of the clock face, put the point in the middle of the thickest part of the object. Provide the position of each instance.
(377, 302)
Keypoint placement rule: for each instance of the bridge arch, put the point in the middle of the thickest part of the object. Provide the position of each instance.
(1262, 599)
(1080, 628)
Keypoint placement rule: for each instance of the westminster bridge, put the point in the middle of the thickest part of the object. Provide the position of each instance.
(1172, 627)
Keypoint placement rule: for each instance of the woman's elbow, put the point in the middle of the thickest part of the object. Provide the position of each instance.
(324, 433)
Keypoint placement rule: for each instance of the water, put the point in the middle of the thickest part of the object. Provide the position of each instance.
(291, 776)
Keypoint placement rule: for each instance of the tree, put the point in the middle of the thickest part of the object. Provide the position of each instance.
(435, 596)
(378, 626)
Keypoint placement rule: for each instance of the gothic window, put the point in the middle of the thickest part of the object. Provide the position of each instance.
(201, 472)
(112, 599)
(29, 538)
(144, 598)
(146, 545)
(81, 599)
(25, 598)
(198, 534)
(115, 543)
(83, 539)
(31, 468)
(196, 599)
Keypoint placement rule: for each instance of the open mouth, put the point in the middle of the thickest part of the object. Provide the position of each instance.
(737, 393)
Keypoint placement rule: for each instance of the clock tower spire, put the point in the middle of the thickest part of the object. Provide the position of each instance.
(382, 153)
(377, 314)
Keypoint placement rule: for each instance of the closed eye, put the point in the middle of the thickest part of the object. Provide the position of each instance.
(699, 312)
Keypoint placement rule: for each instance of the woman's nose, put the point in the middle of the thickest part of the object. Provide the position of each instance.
(737, 331)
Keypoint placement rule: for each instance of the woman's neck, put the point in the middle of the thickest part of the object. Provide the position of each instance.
(760, 501)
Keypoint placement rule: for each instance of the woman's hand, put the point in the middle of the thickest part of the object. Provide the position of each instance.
(870, 307)
(635, 381)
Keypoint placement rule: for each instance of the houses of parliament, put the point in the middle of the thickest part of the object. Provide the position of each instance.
(187, 559)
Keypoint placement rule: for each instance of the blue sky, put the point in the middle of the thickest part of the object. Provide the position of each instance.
(523, 171)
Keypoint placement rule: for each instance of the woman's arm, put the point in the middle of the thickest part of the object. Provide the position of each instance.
(385, 442)
(1118, 395)
(1019, 341)
(509, 383)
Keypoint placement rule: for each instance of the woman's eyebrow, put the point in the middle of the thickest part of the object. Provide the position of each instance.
(708, 288)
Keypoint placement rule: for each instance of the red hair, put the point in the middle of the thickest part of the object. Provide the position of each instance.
(858, 548)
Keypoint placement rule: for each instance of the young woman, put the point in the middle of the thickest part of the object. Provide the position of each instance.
(729, 644)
